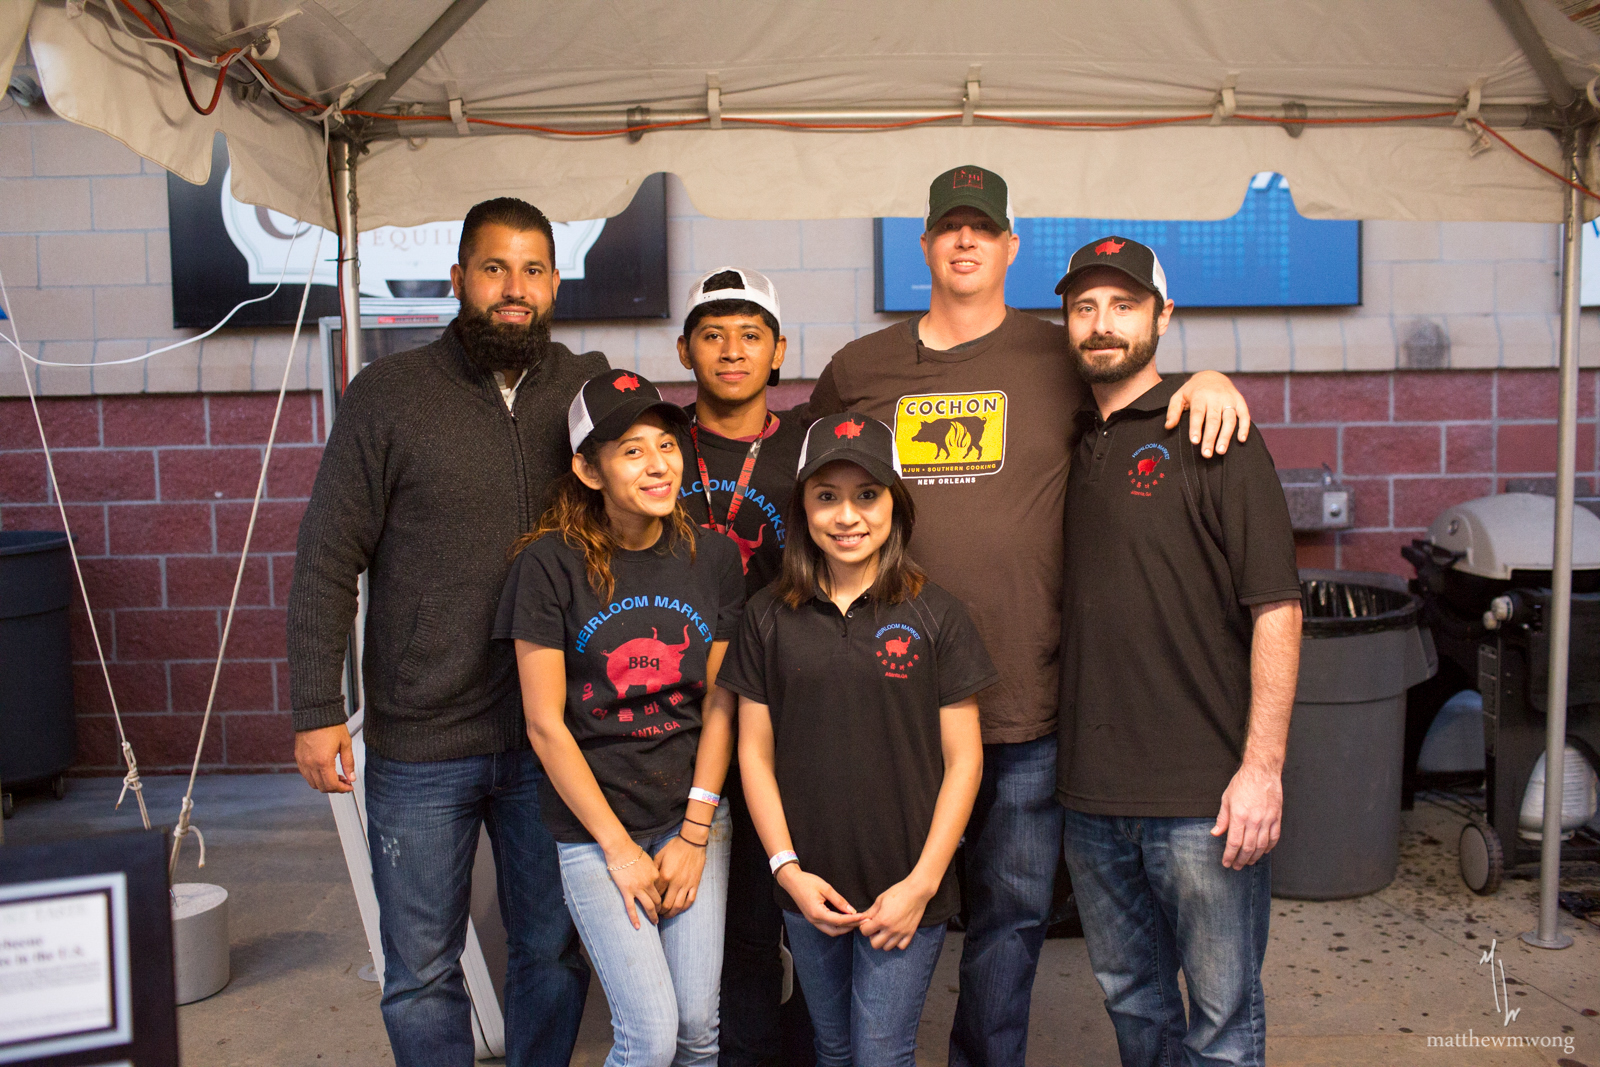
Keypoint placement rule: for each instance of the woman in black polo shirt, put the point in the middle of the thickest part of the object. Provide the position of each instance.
(621, 616)
(859, 744)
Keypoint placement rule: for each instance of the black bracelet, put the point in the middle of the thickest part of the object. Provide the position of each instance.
(697, 822)
(695, 844)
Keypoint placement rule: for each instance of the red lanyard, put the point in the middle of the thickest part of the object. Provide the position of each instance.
(743, 485)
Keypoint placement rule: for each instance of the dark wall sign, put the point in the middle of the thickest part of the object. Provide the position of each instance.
(224, 252)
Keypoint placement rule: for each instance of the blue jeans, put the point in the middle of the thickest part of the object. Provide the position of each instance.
(423, 821)
(1154, 896)
(1012, 843)
(865, 1002)
(661, 980)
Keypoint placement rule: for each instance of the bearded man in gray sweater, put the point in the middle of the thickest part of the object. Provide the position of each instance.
(440, 457)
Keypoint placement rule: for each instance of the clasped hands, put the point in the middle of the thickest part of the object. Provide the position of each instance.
(890, 923)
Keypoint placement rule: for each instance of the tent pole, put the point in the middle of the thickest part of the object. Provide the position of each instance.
(1536, 52)
(1555, 729)
(422, 49)
(344, 193)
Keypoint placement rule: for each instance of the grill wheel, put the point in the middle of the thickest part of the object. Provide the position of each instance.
(1482, 860)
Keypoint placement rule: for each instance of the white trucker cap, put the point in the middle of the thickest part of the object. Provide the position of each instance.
(752, 286)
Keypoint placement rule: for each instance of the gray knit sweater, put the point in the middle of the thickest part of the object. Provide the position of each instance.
(426, 481)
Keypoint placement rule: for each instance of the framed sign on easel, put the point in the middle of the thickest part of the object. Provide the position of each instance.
(86, 971)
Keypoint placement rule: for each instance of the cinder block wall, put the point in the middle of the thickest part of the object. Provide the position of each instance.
(84, 253)
(158, 461)
(158, 489)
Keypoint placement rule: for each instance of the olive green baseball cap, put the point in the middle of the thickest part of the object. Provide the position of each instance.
(974, 187)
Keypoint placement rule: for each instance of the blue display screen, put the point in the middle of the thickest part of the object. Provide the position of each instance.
(1265, 256)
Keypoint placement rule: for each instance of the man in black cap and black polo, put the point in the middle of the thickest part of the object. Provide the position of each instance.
(1180, 648)
(980, 397)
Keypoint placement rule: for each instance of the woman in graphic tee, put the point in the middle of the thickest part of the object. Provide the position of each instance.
(621, 616)
(858, 744)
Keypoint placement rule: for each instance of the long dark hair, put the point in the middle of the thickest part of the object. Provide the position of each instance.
(578, 514)
(805, 569)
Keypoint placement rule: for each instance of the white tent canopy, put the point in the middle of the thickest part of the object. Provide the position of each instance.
(585, 65)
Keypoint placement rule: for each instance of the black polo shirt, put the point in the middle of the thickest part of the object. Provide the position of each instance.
(758, 529)
(1166, 551)
(855, 701)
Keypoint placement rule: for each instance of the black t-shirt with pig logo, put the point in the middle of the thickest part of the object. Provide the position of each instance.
(758, 528)
(636, 666)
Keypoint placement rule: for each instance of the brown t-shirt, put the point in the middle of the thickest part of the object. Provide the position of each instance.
(983, 432)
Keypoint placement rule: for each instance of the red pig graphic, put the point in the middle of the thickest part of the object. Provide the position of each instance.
(1147, 465)
(897, 646)
(646, 661)
(747, 548)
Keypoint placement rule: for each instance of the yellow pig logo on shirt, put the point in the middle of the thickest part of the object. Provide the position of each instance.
(950, 435)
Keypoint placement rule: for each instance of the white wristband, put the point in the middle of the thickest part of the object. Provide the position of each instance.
(704, 796)
(782, 858)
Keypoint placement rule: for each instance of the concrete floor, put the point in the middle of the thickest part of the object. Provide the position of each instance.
(1357, 982)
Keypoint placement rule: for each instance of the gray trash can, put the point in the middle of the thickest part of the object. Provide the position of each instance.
(1362, 649)
(37, 732)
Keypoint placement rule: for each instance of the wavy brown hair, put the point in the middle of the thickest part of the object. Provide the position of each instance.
(805, 569)
(577, 514)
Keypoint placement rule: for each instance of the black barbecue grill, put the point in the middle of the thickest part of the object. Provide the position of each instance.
(1483, 574)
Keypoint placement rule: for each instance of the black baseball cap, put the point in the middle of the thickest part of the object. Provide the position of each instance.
(1137, 261)
(970, 186)
(867, 443)
(611, 402)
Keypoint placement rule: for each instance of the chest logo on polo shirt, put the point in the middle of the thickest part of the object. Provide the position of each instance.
(950, 438)
(1145, 474)
(646, 661)
(896, 656)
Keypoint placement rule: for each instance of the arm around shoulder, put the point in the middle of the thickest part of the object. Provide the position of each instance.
(1216, 410)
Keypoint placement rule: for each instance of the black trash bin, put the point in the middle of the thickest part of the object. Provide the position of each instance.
(37, 731)
(1362, 649)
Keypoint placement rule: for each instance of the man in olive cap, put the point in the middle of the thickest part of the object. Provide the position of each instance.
(981, 398)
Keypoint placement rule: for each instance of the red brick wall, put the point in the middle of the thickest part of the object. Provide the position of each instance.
(159, 489)
(1411, 443)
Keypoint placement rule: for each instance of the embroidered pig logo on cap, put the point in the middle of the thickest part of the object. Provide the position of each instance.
(1109, 247)
(848, 429)
(625, 383)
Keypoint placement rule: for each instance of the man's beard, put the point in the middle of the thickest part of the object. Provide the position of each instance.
(497, 346)
(1135, 357)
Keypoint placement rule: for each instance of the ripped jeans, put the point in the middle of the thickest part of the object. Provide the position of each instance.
(422, 830)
